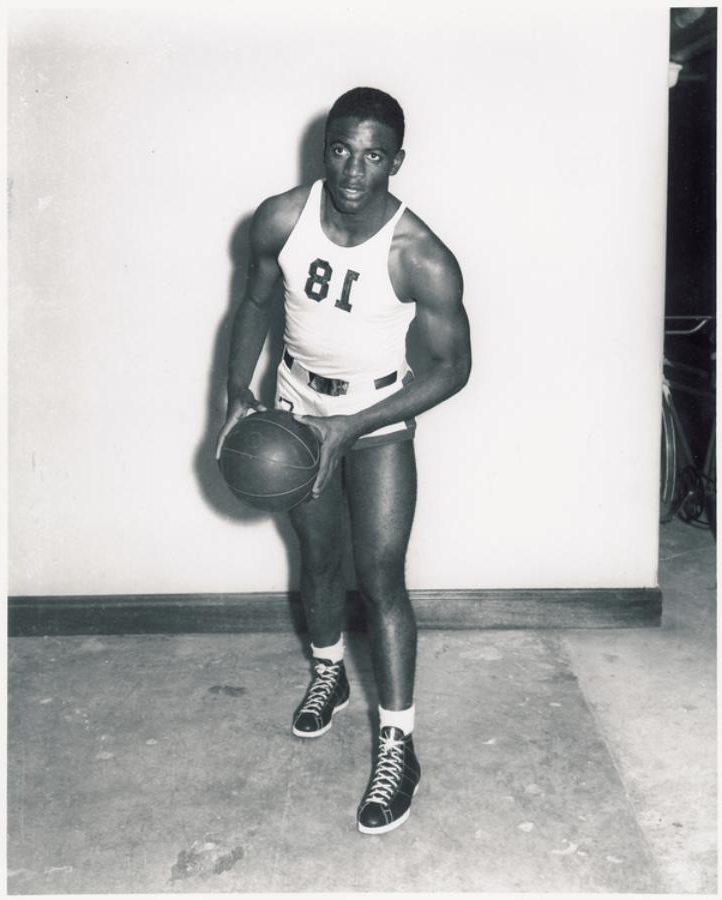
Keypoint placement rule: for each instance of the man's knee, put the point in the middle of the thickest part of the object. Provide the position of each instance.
(382, 582)
(320, 561)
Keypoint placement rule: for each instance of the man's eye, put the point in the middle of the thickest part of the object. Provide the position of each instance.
(338, 151)
(374, 157)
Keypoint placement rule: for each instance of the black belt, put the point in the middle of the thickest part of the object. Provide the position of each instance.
(335, 387)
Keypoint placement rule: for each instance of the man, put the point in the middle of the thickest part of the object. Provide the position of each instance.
(357, 267)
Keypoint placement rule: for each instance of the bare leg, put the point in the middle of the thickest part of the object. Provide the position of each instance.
(381, 486)
(318, 525)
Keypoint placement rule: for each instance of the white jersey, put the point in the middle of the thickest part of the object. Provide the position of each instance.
(343, 318)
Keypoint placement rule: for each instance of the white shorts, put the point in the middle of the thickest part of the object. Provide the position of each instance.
(295, 393)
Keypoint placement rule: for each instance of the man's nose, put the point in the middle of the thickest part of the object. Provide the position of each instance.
(354, 165)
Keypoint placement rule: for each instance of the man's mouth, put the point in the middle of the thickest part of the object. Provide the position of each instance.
(351, 193)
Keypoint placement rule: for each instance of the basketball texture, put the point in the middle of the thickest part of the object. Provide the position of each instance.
(270, 461)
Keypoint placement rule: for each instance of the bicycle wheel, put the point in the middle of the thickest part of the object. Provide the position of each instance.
(668, 469)
(710, 473)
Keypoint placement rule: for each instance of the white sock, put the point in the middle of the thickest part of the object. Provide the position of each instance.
(333, 654)
(398, 718)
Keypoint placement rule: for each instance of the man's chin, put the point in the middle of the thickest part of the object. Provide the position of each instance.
(345, 203)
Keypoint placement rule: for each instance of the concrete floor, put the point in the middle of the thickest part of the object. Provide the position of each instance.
(551, 761)
(653, 696)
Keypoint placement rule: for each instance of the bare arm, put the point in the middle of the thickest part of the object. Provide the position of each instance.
(437, 286)
(433, 279)
(252, 318)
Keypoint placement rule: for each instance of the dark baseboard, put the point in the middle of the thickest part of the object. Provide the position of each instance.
(259, 612)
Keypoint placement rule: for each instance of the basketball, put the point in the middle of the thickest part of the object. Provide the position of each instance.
(270, 461)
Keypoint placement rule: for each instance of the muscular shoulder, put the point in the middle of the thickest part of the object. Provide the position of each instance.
(426, 268)
(275, 219)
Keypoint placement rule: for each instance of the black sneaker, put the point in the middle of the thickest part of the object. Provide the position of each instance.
(326, 695)
(387, 801)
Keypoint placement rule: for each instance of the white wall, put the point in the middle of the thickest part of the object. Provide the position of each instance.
(536, 149)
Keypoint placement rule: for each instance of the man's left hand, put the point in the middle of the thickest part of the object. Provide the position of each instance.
(336, 435)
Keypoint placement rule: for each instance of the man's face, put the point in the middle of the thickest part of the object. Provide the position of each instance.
(360, 157)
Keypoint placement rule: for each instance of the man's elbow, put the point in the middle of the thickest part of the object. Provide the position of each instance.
(460, 372)
(466, 370)
(463, 369)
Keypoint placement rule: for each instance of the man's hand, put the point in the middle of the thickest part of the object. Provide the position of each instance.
(238, 408)
(336, 435)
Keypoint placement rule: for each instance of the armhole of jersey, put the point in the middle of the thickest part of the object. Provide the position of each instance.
(398, 215)
(303, 210)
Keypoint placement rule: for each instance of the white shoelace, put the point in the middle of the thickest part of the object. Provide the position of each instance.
(389, 769)
(322, 687)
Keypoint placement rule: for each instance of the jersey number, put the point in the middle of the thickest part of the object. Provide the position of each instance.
(319, 275)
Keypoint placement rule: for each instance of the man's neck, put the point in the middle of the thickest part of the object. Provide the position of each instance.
(356, 226)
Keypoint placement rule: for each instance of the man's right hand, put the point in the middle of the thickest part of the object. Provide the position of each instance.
(238, 408)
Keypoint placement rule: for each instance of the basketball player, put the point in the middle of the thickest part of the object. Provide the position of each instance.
(357, 266)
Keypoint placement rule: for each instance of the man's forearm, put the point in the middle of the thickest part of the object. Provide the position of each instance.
(439, 383)
(250, 327)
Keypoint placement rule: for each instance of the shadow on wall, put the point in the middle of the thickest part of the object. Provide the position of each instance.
(213, 488)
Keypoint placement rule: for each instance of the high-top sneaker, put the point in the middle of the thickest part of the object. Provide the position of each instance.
(326, 695)
(387, 801)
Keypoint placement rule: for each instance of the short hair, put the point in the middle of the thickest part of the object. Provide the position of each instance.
(369, 103)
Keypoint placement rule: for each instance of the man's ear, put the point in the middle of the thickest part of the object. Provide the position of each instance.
(398, 159)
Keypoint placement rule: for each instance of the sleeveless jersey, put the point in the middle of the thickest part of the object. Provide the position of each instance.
(343, 318)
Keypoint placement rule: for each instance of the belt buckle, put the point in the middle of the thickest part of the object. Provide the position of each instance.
(333, 387)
